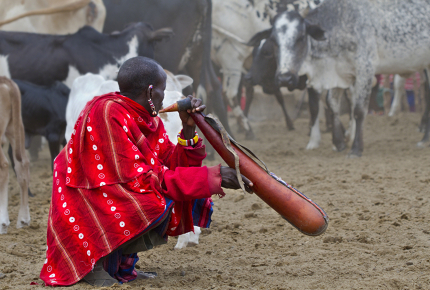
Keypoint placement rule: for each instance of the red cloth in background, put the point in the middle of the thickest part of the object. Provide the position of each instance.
(109, 185)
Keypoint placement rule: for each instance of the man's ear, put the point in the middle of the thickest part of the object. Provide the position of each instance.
(258, 37)
(315, 31)
(149, 91)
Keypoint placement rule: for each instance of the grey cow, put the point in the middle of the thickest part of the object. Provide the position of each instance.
(343, 44)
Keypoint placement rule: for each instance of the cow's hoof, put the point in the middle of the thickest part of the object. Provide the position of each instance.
(291, 128)
(3, 229)
(339, 147)
(421, 144)
(312, 146)
(250, 135)
(354, 154)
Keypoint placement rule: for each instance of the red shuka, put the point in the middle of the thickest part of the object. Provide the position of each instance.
(109, 185)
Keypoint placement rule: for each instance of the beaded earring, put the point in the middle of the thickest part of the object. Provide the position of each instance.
(151, 103)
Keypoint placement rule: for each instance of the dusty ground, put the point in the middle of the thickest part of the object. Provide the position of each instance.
(378, 236)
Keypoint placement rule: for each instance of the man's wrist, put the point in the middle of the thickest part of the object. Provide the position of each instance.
(188, 131)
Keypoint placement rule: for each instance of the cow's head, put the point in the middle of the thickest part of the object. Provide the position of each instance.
(264, 63)
(147, 38)
(292, 34)
(264, 57)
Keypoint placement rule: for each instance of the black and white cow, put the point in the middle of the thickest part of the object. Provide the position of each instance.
(343, 44)
(263, 72)
(43, 111)
(43, 59)
(188, 51)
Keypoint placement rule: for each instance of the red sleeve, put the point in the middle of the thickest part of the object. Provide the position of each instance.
(184, 184)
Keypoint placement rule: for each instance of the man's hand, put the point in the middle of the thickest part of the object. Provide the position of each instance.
(229, 179)
(188, 124)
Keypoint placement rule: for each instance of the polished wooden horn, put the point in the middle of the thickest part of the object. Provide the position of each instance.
(290, 203)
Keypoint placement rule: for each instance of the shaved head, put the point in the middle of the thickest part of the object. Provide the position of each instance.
(137, 74)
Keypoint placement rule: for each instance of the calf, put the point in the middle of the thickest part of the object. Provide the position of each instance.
(43, 59)
(43, 113)
(12, 130)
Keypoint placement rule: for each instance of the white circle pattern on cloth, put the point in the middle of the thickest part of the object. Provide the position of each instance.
(134, 148)
(97, 157)
(99, 167)
(59, 189)
(92, 137)
(55, 174)
(109, 202)
(67, 212)
(85, 244)
(161, 140)
(125, 128)
(62, 197)
(89, 128)
(140, 119)
(135, 165)
(49, 268)
(122, 224)
(81, 236)
(71, 141)
(94, 147)
(127, 232)
(104, 194)
(72, 219)
(70, 150)
(76, 228)
(67, 180)
(117, 215)
(152, 161)
(64, 204)
(69, 170)
(89, 253)
(140, 169)
(136, 157)
(113, 208)
(101, 176)
(102, 183)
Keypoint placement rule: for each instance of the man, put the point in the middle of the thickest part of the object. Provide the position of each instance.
(121, 187)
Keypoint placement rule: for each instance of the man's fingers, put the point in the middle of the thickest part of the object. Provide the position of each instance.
(201, 108)
(248, 184)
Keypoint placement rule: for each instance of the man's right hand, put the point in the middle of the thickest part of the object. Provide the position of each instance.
(229, 179)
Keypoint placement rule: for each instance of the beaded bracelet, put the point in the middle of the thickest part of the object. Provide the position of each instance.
(191, 142)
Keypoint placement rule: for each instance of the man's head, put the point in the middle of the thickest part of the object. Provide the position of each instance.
(141, 79)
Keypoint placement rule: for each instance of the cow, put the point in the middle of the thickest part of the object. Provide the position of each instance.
(262, 72)
(85, 87)
(12, 130)
(325, 44)
(188, 52)
(43, 111)
(43, 59)
(425, 120)
(51, 16)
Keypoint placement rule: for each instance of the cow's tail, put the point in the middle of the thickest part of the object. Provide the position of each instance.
(4, 67)
(212, 84)
(18, 127)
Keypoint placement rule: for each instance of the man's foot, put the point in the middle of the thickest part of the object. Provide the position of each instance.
(146, 275)
(99, 277)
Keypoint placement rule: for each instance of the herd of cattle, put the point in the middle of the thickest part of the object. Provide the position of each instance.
(60, 54)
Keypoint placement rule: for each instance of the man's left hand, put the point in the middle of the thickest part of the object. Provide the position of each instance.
(188, 124)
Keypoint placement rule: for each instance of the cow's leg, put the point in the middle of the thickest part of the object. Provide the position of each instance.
(425, 120)
(350, 132)
(4, 177)
(22, 169)
(399, 92)
(280, 100)
(314, 103)
(333, 103)
(54, 148)
(361, 92)
(231, 81)
(249, 88)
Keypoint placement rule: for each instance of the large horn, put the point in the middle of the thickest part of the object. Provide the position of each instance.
(63, 8)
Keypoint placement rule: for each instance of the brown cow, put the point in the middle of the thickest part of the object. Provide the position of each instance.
(12, 130)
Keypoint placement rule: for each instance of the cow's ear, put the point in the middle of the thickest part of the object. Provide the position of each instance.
(257, 38)
(315, 31)
(160, 34)
(184, 80)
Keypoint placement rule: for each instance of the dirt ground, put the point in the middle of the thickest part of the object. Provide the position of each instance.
(378, 235)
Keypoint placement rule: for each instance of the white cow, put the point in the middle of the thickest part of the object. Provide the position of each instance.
(326, 45)
(12, 130)
(85, 87)
(51, 16)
